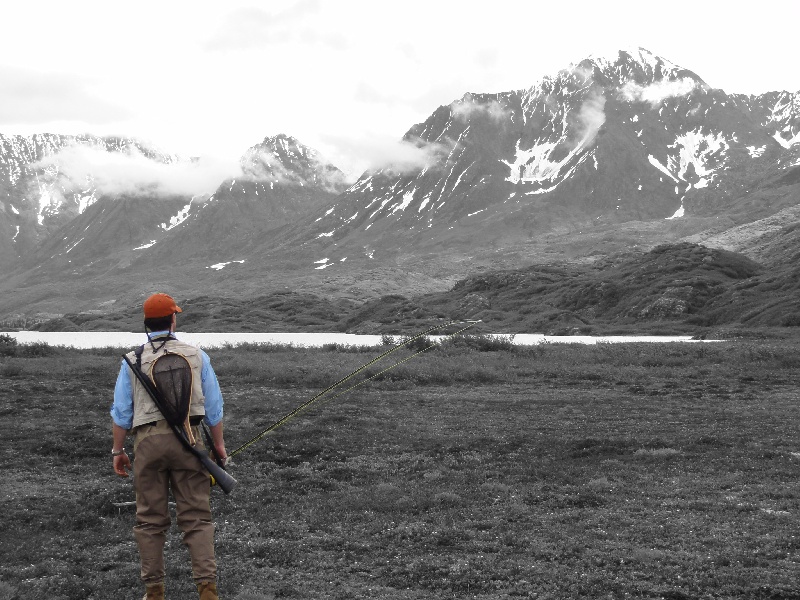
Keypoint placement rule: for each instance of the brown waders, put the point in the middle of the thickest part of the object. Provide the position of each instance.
(161, 464)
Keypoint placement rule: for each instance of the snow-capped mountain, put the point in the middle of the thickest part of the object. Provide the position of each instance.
(610, 140)
(46, 182)
(147, 220)
(779, 112)
(282, 159)
(619, 151)
(280, 180)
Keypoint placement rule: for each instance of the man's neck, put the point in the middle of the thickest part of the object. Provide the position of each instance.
(157, 334)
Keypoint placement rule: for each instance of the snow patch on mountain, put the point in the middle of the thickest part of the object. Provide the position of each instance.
(182, 215)
(407, 198)
(678, 213)
(705, 152)
(330, 210)
(540, 163)
(323, 264)
(222, 265)
(425, 200)
(72, 246)
(533, 164)
(461, 176)
(786, 142)
(657, 164)
(48, 203)
(85, 200)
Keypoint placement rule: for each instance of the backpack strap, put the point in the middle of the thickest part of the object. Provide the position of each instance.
(137, 366)
(138, 353)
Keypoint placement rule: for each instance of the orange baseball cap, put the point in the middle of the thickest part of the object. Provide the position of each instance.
(160, 305)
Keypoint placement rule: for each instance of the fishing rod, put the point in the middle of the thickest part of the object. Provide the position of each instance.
(397, 364)
(296, 411)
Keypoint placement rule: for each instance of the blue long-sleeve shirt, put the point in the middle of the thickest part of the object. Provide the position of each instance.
(122, 407)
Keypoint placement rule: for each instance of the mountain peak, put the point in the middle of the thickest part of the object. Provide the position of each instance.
(635, 64)
(281, 138)
(627, 54)
(283, 158)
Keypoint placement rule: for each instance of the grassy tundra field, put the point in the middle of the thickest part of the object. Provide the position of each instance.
(476, 470)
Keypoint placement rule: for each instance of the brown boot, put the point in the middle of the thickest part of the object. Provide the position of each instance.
(207, 590)
(155, 591)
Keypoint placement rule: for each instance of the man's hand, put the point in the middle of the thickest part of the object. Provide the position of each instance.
(218, 441)
(222, 454)
(121, 463)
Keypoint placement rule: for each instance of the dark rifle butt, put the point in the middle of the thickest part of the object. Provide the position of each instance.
(224, 479)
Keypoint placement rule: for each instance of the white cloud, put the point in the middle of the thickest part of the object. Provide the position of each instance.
(219, 75)
(465, 108)
(408, 156)
(250, 27)
(657, 92)
(132, 173)
(591, 117)
(379, 152)
(31, 96)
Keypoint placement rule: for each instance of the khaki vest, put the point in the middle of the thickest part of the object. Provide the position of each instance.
(144, 409)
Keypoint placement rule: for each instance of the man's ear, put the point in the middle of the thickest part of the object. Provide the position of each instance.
(174, 322)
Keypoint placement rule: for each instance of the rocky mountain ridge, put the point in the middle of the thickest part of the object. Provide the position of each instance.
(615, 153)
(37, 194)
(276, 180)
(603, 142)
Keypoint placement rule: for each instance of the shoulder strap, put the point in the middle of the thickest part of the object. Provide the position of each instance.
(138, 353)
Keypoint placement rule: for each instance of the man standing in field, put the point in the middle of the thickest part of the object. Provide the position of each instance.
(162, 462)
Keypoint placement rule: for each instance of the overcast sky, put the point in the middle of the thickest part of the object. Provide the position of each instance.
(347, 77)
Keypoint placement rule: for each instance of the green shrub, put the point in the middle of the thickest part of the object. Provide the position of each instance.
(418, 343)
(10, 370)
(8, 345)
(8, 591)
(792, 320)
(483, 343)
(35, 349)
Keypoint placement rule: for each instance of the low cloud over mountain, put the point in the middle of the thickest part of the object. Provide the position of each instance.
(131, 172)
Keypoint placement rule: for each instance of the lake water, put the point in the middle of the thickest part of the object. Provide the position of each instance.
(100, 339)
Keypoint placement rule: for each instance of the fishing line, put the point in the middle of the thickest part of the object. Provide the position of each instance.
(398, 363)
(346, 378)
